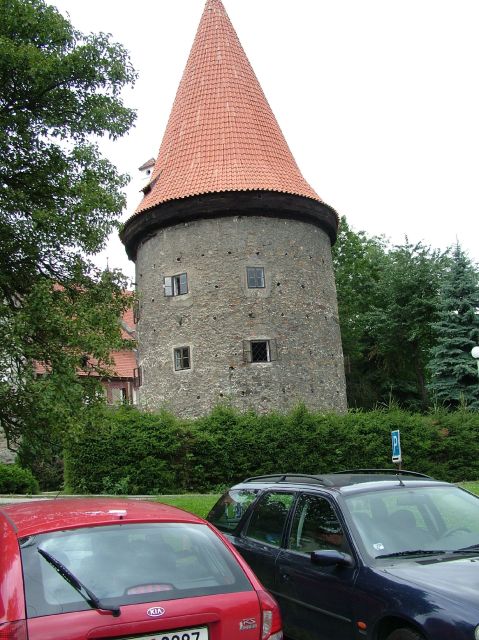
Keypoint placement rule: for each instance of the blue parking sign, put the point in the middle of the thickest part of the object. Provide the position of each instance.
(396, 445)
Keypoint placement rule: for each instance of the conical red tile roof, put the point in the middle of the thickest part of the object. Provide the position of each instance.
(221, 134)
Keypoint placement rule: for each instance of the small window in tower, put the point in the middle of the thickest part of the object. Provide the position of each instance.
(182, 358)
(255, 277)
(176, 285)
(259, 350)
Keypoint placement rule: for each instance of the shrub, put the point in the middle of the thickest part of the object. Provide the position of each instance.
(128, 451)
(14, 479)
(42, 453)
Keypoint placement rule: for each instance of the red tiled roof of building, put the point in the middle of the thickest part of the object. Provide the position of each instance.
(123, 362)
(123, 366)
(221, 134)
(128, 325)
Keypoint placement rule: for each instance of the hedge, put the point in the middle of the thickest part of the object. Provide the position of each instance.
(127, 451)
(42, 453)
(14, 479)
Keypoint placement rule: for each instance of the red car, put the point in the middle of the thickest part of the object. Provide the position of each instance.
(112, 568)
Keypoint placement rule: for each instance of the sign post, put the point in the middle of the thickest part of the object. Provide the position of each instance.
(396, 447)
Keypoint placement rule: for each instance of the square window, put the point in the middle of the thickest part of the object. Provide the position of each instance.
(182, 358)
(176, 285)
(255, 276)
(260, 351)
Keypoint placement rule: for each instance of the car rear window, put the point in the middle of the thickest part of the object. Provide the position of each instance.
(230, 508)
(127, 564)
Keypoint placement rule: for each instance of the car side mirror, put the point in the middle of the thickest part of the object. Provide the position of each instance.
(331, 557)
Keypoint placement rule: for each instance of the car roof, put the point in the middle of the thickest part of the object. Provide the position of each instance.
(37, 516)
(350, 481)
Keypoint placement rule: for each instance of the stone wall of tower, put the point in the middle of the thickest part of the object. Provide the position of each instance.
(296, 311)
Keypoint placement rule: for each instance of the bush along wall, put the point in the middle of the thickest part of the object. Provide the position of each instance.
(15, 479)
(127, 451)
(42, 453)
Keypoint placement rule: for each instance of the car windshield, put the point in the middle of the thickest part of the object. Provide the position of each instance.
(127, 564)
(406, 519)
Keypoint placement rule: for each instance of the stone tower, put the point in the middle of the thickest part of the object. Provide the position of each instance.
(233, 251)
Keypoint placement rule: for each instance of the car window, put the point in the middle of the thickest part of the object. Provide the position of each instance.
(457, 509)
(315, 526)
(230, 508)
(126, 564)
(405, 519)
(268, 518)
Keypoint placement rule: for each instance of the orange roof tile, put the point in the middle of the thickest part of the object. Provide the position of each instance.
(128, 325)
(123, 362)
(221, 134)
(123, 366)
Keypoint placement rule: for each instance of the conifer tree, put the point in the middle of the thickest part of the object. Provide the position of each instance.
(454, 378)
(399, 322)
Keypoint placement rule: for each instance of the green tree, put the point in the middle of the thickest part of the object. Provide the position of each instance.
(60, 91)
(388, 298)
(454, 379)
(399, 324)
(358, 262)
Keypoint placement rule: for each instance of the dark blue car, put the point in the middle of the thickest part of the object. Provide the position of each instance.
(363, 554)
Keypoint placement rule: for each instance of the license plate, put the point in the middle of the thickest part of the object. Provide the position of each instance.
(200, 633)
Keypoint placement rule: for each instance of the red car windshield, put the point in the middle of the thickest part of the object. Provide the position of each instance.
(126, 564)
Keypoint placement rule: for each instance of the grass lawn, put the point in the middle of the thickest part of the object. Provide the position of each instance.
(199, 504)
(473, 487)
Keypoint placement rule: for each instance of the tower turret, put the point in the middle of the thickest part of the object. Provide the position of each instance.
(233, 251)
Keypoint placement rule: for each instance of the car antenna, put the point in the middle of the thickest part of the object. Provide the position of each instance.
(401, 483)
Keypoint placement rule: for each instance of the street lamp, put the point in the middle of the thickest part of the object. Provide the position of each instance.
(475, 354)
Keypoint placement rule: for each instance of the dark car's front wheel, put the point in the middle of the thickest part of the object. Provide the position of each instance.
(405, 634)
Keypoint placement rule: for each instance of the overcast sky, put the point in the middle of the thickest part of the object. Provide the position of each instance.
(378, 101)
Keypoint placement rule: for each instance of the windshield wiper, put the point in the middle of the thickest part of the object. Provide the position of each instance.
(67, 575)
(414, 552)
(474, 548)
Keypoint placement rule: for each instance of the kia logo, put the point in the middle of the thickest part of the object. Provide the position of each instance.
(154, 612)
